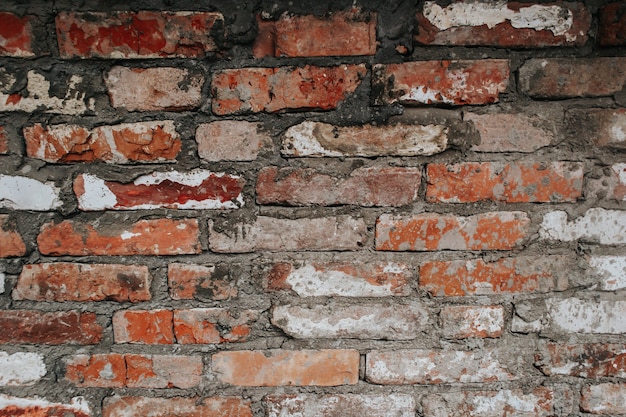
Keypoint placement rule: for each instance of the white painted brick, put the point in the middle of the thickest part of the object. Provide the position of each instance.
(21, 368)
(607, 227)
(22, 193)
(605, 399)
(43, 407)
(611, 271)
(308, 405)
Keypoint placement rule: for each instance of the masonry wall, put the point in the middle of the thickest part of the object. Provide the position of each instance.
(312, 209)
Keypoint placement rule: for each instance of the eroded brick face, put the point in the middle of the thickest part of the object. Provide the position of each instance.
(16, 35)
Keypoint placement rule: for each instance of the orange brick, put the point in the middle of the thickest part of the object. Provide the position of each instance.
(212, 325)
(11, 242)
(143, 327)
(187, 282)
(106, 370)
(4, 142)
(55, 328)
(163, 371)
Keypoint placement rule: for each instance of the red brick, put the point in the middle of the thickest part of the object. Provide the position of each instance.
(288, 368)
(508, 25)
(188, 282)
(143, 34)
(431, 231)
(212, 325)
(231, 140)
(198, 189)
(539, 402)
(16, 35)
(57, 328)
(253, 90)
(602, 127)
(441, 82)
(146, 237)
(154, 89)
(11, 242)
(612, 26)
(65, 281)
(375, 186)
(4, 142)
(177, 406)
(163, 371)
(567, 77)
(505, 276)
(344, 279)
(605, 399)
(461, 322)
(40, 407)
(341, 33)
(131, 142)
(340, 405)
(590, 360)
(273, 234)
(104, 370)
(143, 326)
(509, 182)
(423, 366)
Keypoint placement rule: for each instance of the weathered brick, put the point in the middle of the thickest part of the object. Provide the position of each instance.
(423, 366)
(143, 34)
(154, 89)
(606, 227)
(567, 77)
(609, 186)
(291, 368)
(201, 282)
(373, 186)
(502, 230)
(120, 144)
(610, 270)
(513, 132)
(104, 370)
(4, 141)
(16, 35)
(23, 193)
(604, 399)
(36, 97)
(196, 190)
(441, 82)
(253, 90)
(178, 406)
(508, 25)
(612, 26)
(538, 402)
(144, 327)
(505, 276)
(315, 139)
(516, 182)
(212, 325)
(146, 237)
(602, 127)
(590, 360)
(274, 234)
(64, 281)
(341, 33)
(21, 368)
(570, 315)
(55, 328)
(11, 242)
(371, 321)
(40, 407)
(231, 140)
(461, 322)
(343, 279)
(340, 405)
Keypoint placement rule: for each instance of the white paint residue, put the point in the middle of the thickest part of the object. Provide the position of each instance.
(554, 18)
(504, 400)
(300, 141)
(2, 282)
(620, 170)
(424, 95)
(193, 178)
(127, 235)
(22, 193)
(612, 270)
(618, 134)
(107, 134)
(77, 404)
(97, 195)
(21, 368)
(588, 316)
(606, 227)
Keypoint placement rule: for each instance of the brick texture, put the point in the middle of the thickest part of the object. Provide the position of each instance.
(11, 242)
(17, 35)
(613, 24)
(56, 328)
(188, 407)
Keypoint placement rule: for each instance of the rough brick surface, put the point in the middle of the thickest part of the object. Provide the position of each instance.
(308, 405)
(504, 276)
(11, 242)
(231, 140)
(65, 281)
(607, 227)
(16, 35)
(610, 186)
(185, 407)
(4, 141)
(144, 327)
(273, 234)
(461, 322)
(212, 325)
(424, 366)
(430, 231)
(509, 182)
(283, 367)
(604, 127)
(342, 33)
(589, 360)
(23, 193)
(344, 279)
(605, 399)
(441, 82)
(147, 237)
(504, 24)
(201, 282)
(35, 407)
(375, 186)
(55, 328)
(143, 34)
(610, 270)
(612, 25)
(563, 78)
(21, 368)
(253, 90)
(198, 189)
(104, 370)
(119, 144)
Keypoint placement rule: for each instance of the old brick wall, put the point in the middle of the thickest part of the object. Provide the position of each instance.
(329, 208)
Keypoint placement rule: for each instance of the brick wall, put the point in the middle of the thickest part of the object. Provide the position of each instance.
(343, 208)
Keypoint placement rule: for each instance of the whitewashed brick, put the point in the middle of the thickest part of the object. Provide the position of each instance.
(22, 193)
(25, 406)
(308, 405)
(598, 225)
(21, 368)
(231, 140)
(472, 321)
(611, 270)
(604, 399)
